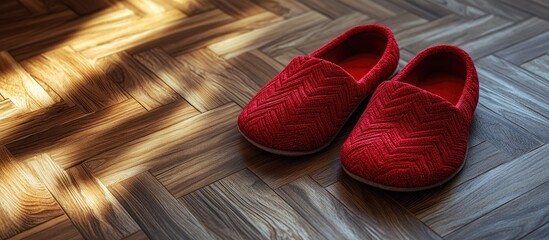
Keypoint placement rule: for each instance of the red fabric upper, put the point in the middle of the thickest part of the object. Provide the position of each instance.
(303, 108)
(409, 137)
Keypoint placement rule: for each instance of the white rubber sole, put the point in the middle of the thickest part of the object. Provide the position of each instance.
(303, 153)
(399, 189)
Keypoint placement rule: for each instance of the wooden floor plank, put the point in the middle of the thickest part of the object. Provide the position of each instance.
(90, 206)
(235, 46)
(159, 214)
(526, 50)
(59, 228)
(497, 8)
(75, 79)
(538, 66)
(283, 8)
(423, 8)
(165, 147)
(312, 38)
(145, 87)
(17, 85)
(8, 109)
(97, 131)
(238, 9)
(333, 219)
(371, 8)
(210, 68)
(446, 212)
(518, 32)
(85, 7)
(513, 220)
(190, 7)
(25, 202)
(27, 124)
(539, 233)
(257, 66)
(219, 33)
(139, 235)
(203, 95)
(333, 9)
(242, 207)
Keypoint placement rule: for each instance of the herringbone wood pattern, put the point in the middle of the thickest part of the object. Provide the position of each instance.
(118, 121)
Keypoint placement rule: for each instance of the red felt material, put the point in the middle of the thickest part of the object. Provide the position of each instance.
(413, 133)
(303, 108)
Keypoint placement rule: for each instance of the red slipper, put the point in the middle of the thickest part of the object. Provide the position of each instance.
(301, 110)
(413, 133)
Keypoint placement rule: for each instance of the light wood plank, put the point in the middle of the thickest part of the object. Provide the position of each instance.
(159, 214)
(230, 154)
(75, 79)
(35, 122)
(59, 228)
(143, 85)
(216, 34)
(203, 95)
(145, 7)
(167, 26)
(24, 201)
(190, 7)
(99, 131)
(186, 138)
(210, 68)
(17, 85)
(512, 220)
(139, 235)
(242, 207)
(8, 109)
(90, 206)
(235, 46)
(452, 209)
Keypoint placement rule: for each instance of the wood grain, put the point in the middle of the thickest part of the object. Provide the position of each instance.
(257, 66)
(143, 85)
(59, 228)
(242, 207)
(333, 219)
(526, 50)
(86, 201)
(512, 220)
(20, 87)
(159, 214)
(444, 211)
(187, 138)
(24, 201)
(538, 66)
(75, 79)
(235, 46)
(202, 95)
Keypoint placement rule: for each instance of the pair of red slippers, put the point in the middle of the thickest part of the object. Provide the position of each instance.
(413, 134)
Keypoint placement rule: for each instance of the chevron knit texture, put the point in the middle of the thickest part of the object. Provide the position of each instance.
(303, 108)
(408, 137)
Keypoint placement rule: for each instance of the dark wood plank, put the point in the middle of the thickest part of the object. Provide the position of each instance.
(526, 50)
(242, 207)
(85, 7)
(512, 220)
(497, 8)
(539, 233)
(453, 208)
(515, 94)
(238, 9)
(356, 221)
(372, 8)
(159, 214)
(375, 205)
(90, 206)
(59, 228)
(26, 203)
(331, 9)
(538, 66)
(516, 33)
(423, 8)
(539, 8)
(139, 235)
(284, 8)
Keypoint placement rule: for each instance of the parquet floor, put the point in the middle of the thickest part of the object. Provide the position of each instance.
(118, 121)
